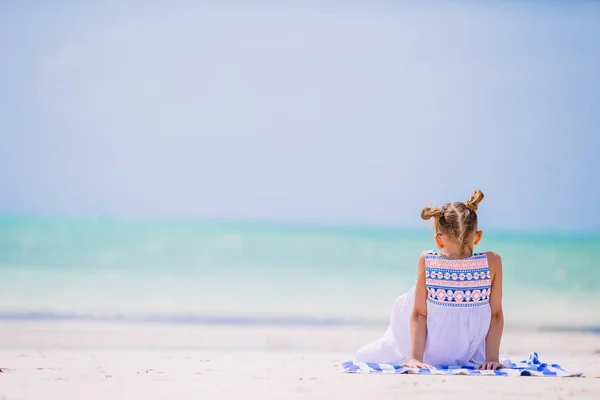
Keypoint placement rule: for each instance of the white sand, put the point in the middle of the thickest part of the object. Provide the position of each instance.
(100, 361)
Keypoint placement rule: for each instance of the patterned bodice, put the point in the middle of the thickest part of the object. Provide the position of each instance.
(457, 283)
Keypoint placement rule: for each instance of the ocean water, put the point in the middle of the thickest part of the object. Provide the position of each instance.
(243, 273)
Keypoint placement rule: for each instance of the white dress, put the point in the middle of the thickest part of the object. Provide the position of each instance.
(458, 316)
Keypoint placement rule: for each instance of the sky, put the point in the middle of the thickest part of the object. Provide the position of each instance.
(301, 111)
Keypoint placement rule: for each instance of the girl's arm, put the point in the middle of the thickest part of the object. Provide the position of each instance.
(492, 341)
(418, 320)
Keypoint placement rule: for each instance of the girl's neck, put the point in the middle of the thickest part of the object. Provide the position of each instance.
(455, 253)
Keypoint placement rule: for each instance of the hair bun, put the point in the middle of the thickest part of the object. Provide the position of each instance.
(476, 198)
(432, 212)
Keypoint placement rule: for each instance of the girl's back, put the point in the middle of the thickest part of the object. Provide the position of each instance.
(458, 309)
(464, 282)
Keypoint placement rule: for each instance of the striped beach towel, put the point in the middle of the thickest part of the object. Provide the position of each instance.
(530, 367)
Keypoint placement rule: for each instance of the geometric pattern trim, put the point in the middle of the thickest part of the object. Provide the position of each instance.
(457, 283)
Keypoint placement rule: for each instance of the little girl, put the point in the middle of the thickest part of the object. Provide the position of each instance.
(453, 315)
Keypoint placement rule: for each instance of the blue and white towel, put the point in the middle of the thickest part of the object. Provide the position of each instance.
(531, 367)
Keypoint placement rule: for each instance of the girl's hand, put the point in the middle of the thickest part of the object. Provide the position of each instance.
(491, 365)
(412, 363)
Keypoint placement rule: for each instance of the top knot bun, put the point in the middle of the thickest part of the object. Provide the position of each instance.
(431, 212)
(476, 198)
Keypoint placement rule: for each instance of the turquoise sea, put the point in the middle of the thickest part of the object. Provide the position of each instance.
(252, 273)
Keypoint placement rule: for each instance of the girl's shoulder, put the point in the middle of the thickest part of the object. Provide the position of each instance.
(494, 261)
(492, 256)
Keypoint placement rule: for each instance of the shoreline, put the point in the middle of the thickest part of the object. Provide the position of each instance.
(246, 321)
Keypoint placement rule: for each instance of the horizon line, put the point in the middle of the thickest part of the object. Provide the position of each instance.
(281, 223)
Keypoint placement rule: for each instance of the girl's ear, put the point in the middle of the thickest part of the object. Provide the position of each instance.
(438, 241)
(478, 236)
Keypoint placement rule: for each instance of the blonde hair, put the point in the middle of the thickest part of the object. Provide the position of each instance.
(458, 220)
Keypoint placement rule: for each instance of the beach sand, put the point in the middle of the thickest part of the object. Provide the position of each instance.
(85, 360)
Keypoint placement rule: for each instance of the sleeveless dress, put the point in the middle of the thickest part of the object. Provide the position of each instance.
(458, 315)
